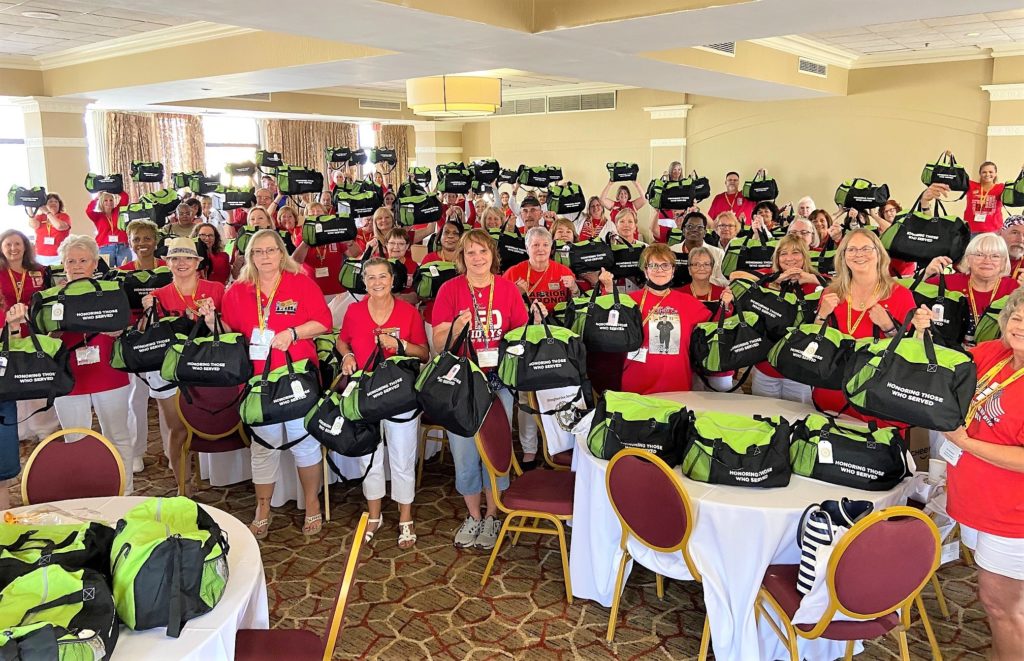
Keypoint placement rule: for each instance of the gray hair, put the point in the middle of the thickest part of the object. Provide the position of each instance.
(1015, 300)
(987, 242)
(79, 241)
(810, 225)
(537, 232)
(375, 261)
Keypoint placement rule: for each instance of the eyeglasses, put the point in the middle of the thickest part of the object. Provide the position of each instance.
(397, 245)
(206, 236)
(265, 252)
(693, 227)
(700, 265)
(864, 250)
(807, 233)
(659, 268)
(726, 226)
(987, 256)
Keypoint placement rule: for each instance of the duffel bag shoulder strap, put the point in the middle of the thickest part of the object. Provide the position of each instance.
(264, 382)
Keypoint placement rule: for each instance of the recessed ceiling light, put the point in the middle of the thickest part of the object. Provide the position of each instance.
(206, 89)
(973, 34)
(48, 15)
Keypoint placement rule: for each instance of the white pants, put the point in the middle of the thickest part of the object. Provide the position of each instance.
(111, 408)
(138, 413)
(778, 388)
(41, 424)
(999, 555)
(718, 383)
(402, 441)
(48, 260)
(527, 427)
(266, 462)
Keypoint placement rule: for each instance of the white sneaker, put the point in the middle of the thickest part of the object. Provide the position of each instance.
(138, 465)
(466, 535)
(490, 528)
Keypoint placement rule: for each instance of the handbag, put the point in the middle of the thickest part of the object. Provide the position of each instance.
(850, 455)
(608, 322)
(987, 327)
(109, 183)
(620, 171)
(279, 395)
(750, 253)
(626, 258)
(628, 420)
(916, 237)
(454, 178)
(1013, 192)
(540, 357)
(216, 360)
(84, 306)
(817, 535)
(147, 171)
(338, 155)
(700, 186)
(141, 349)
(241, 169)
(731, 343)
(737, 450)
(200, 184)
(951, 309)
(183, 179)
(428, 278)
(911, 380)
(383, 155)
(537, 176)
(33, 367)
(141, 282)
(30, 198)
(507, 176)
(350, 275)
(357, 157)
(485, 170)
(588, 256)
(383, 390)
(779, 309)
(861, 194)
(164, 202)
(945, 170)
(760, 188)
(328, 229)
(453, 391)
(566, 199)
(135, 211)
(269, 159)
(813, 354)
(418, 209)
(296, 180)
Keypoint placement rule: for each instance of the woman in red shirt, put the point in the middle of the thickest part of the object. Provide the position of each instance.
(986, 480)
(448, 246)
(662, 364)
(396, 243)
(218, 265)
(984, 210)
(382, 318)
(103, 212)
(705, 267)
(593, 221)
(52, 226)
(627, 196)
(382, 222)
(984, 278)
(490, 306)
(288, 220)
(865, 301)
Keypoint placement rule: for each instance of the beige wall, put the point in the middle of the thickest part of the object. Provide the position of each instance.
(20, 82)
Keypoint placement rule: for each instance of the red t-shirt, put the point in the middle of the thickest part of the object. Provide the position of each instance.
(174, 302)
(49, 239)
(296, 301)
(29, 282)
(96, 376)
(360, 331)
(322, 264)
(617, 207)
(220, 267)
(982, 495)
(507, 308)
(544, 286)
(899, 303)
(739, 205)
(984, 210)
(106, 228)
(978, 300)
(669, 322)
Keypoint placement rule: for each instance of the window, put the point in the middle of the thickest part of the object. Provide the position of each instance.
(367, 140)
(13, 165)
(229, 140)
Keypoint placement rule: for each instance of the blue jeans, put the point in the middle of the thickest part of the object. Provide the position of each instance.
(10, 461)
(470, 473)
(116, 253)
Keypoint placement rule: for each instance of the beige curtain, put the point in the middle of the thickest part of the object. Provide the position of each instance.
(396, 136)
(175, 140)
(305, 143)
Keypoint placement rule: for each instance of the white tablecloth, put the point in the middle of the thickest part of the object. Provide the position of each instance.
(208, 637)
(738, 533)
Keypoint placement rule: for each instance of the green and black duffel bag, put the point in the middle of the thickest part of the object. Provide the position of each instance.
(738, 450)
(72, 546)
(280, 394)
(33, 367)
(628, 420)
(729, 344)
(850, 455)
(331, 228)
(429, 277)
(418, 209)
(86, 305)
(945, 170)
(813, 354)
(216, 360)
(104, 183)
(540, 357)
(142, 350)
(620, 171)
(384, 389)
(147, 171)
(861, 194)
(608, 322)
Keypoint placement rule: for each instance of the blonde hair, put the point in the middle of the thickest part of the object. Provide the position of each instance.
(794, 242)
(249, 272)
(844, 278)
(380, 213)
(491, 211)
(564, 222)
(248, 216)
(481, 238)
(988, 242)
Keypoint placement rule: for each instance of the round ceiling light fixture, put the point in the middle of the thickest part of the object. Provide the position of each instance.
(48, 15)
(453, 96)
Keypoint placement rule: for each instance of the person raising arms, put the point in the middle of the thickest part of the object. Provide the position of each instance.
(52, 226)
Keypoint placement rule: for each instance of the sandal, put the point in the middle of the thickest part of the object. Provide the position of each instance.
(261, 528)
(406, 536)
(312, 525)
(368, 537)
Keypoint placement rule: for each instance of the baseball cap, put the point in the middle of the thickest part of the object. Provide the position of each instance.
(529, 201)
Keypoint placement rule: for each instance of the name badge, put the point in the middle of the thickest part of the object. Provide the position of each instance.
(980, 217)
(49, 240)
(87, 355)
(322, 272)
(950, 452)
(259, 343)
(112, 238)
(487, 357)
(554, 286)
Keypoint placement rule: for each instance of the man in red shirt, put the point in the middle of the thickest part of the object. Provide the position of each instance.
(732, 200)
(1013, 234)
(265, 199)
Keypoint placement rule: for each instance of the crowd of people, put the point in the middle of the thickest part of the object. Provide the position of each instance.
(281, 294)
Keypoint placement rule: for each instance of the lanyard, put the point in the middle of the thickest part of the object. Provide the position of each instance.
(193, 307)
(974, 306)
(531, 286)
(1016, 270)
(112, 222)
(476, 309)
(987, 388)
(263, 313)
(321, 254)
(643, 299)
(19, 287)
(850, 325)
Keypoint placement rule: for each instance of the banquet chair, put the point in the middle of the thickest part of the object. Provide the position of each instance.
(538, 494)
(303, 644)
(876, 594)
(426, 426)
(54, 470)
(653, 507)
(212, 423)
(561, 461)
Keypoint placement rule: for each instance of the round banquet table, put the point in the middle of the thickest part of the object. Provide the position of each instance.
(205, 638)
(738, 533)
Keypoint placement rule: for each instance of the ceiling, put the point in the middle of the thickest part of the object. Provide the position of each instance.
(78, 23)
(513, 82)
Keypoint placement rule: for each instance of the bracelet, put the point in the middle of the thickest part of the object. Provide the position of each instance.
(347, 355)
(295, 334)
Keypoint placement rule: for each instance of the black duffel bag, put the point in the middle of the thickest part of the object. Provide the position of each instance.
(760, 188)
(237, 198)
(945, 170)
(779, 309)
(338, 155)
(348, 438)
(454, 178)
(850, 455)
(507, 176)
(383, 155)
(147, 171)
(813, 354)
(588, 256)
(511, 248)
(626, 258)
(453, 391)
(279, 395)
(610, 322)
(385, 389)
(628, 420)
(141, 348)
(324, 230)
(30, 198)
(620, 171)
(33, 367)
(738, 450)
(241, 169)
(201, 184)
(296, 180)
(729, 344)
(86, 305)
(916, 237)
(951, 309)
(485, 170)
(861, 194)
(216, 360)
(269, 159)
(109, 183)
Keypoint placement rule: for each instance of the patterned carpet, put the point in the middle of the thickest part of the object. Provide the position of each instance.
(427, 602)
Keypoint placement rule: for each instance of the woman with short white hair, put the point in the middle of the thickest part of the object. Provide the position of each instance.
(805, 230)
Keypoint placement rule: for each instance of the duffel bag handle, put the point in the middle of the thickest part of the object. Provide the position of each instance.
(461, 339)
(91, 280)
(543, 319)
(217, 328)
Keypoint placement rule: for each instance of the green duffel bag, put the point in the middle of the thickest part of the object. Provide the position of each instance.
(200, 184)
(169, 562)
(988, 325)
(861, 194)
(327, 359)
(52, 614)
(219, 359)
(418, 209)
(566, 199)
(279, 395)
(331, 228)
(142, 350)
(911, 380)
(350, 275)
(384, 389)
(750, 253)
(813, 354)
(236, 197)
(74, 546)
(147, 171)
(628, 420)
(429, 277)
(140, 210)
(86, 305)
(30, 198)
(738, 450)
(141, 283)
(421, 175)
(359, 204)
(731, 343)
(850, 455)
(951, 309)
(164, 202)
(945, 170)
(541, 357)
(184, 179)
(608, 322)
(246, 233)
(622, 171)
(110, 183)
(1013, 191)
(33, 367)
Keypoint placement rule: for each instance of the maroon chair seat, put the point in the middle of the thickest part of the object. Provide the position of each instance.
(54, 470)
(227, 444)
(563, 458)
(278, 645)
(542, 491)
(780, 582)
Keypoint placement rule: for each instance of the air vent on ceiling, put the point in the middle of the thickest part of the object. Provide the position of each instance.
(813, 68)
(576, 102)
(376, 104)
(722, 48)
(532, 106)
(259, 96)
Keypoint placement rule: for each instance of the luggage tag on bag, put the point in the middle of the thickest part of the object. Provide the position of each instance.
(349, 388)
(950, 452)
(939, 312)
(322, 272)
(638, 356)
(57, 312)
(613, 318)
(297, 391)
(487, 358)
(336, 427)
(809, 353)
(433, 271)
(3, 365)
(87, 355)
(825, 453)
